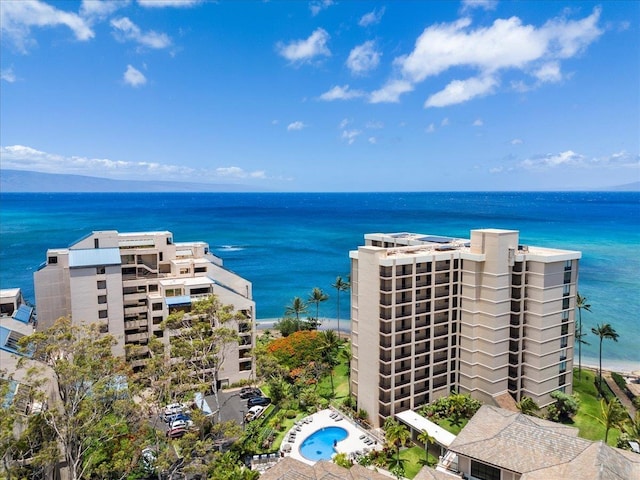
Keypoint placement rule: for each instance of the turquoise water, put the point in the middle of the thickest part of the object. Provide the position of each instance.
(288, 243)
(319, 445)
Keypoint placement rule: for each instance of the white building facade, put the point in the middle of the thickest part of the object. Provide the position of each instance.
(131, 282)
(485, 316)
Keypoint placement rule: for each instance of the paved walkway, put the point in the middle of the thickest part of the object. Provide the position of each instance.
(622, 396)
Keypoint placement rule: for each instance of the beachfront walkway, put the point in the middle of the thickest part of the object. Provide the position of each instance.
(358, 441)
(619, 393)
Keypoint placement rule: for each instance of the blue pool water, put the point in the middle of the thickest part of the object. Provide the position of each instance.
(319, 445)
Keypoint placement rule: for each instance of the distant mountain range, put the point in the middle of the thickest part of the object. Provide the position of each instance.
(15, 181)
(22, 181)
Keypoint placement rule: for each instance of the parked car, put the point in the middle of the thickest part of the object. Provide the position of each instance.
(248, 392)
(181, 423)
(262, 401)
(172, 410)
(253, 413)
(176, 432)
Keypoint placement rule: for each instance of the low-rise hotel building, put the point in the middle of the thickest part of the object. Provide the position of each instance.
(131, 282)
(485, 316)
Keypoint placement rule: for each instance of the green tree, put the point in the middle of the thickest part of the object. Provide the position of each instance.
(581, 304)
(565, 406)
(347, 355)
(342, 460)
(528, 406)
(328, 348)
(603, 331)
(396, 435)
(92, 411)
(341, 286)
(427, 439)
(317, 297)
(200, 339)
(297, 307)
(612, 415)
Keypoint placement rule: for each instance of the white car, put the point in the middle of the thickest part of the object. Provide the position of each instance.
(172, 409)
(253, 413)
(181, 424)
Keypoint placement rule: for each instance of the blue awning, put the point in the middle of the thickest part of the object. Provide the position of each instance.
(23, 314)
(180, 301)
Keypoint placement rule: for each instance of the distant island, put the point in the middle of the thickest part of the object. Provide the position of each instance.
(24, 181)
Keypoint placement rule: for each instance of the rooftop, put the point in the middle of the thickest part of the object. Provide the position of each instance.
(539, 449)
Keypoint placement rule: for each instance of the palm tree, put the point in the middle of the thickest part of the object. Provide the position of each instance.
(317, 296)
(425, 438)
(345, 353)
(396, 434)
(528, 406)
(581, 304)
(329, 343)
(603, 331)
(612, 414)
(297, 307)
(340, 286)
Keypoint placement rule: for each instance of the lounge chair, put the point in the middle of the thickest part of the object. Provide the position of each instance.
(363, 436)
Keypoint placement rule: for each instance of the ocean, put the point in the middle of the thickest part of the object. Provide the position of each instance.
(288, 243)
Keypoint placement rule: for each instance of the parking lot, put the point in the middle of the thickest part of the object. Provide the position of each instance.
(232, 407)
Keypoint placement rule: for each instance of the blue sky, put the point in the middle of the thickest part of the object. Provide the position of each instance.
(325, 95)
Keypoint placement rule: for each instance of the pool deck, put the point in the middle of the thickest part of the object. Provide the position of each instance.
(357, 441)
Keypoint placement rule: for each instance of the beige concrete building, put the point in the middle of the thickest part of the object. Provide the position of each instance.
(130, 282)
(486, 316)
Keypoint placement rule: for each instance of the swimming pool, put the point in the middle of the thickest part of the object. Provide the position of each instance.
(319, 445)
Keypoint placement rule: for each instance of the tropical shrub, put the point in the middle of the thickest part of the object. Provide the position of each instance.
(297, 350)
(565, 407)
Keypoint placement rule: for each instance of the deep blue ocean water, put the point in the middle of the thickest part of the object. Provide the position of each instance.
(288, 243)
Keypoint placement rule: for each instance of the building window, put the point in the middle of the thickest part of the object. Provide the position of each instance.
(566, 290)
(153, 287)
(102, 314)
(52, 260)
(157, 306)
(567, 265)
(563, 342)
(102, 284)
(96, 243)
(161, 256)
(565, 315)
(562, 380)
(484, 471)
(102, 299)
(184, 271)
(104, 328)
(101, 270)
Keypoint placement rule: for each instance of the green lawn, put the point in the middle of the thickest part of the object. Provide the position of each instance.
(450, 427)
(589, 426)
(414, 457)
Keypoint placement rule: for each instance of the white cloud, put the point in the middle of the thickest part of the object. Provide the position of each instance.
(99, 9)
(363, 58)
(444, 122)
(8, 75)
(350, 135)
(341, 93)
(305, 50)
(549, 72)
(567, 158)
(125, 29)
(19, 157)
(296, 126)
(516, 141)
(18, 17)
(372, 18)
(484, 4)
(134, 77)
(478, 122)
(507, 44)
(168, 3)
(431, 128)
(496, 170)
(460, 91)
(372, 140)
(344, 123)
(374, 125)
(391, 91)
(238, 172)
(317, 6)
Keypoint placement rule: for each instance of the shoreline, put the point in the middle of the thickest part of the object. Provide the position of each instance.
(628, 367)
